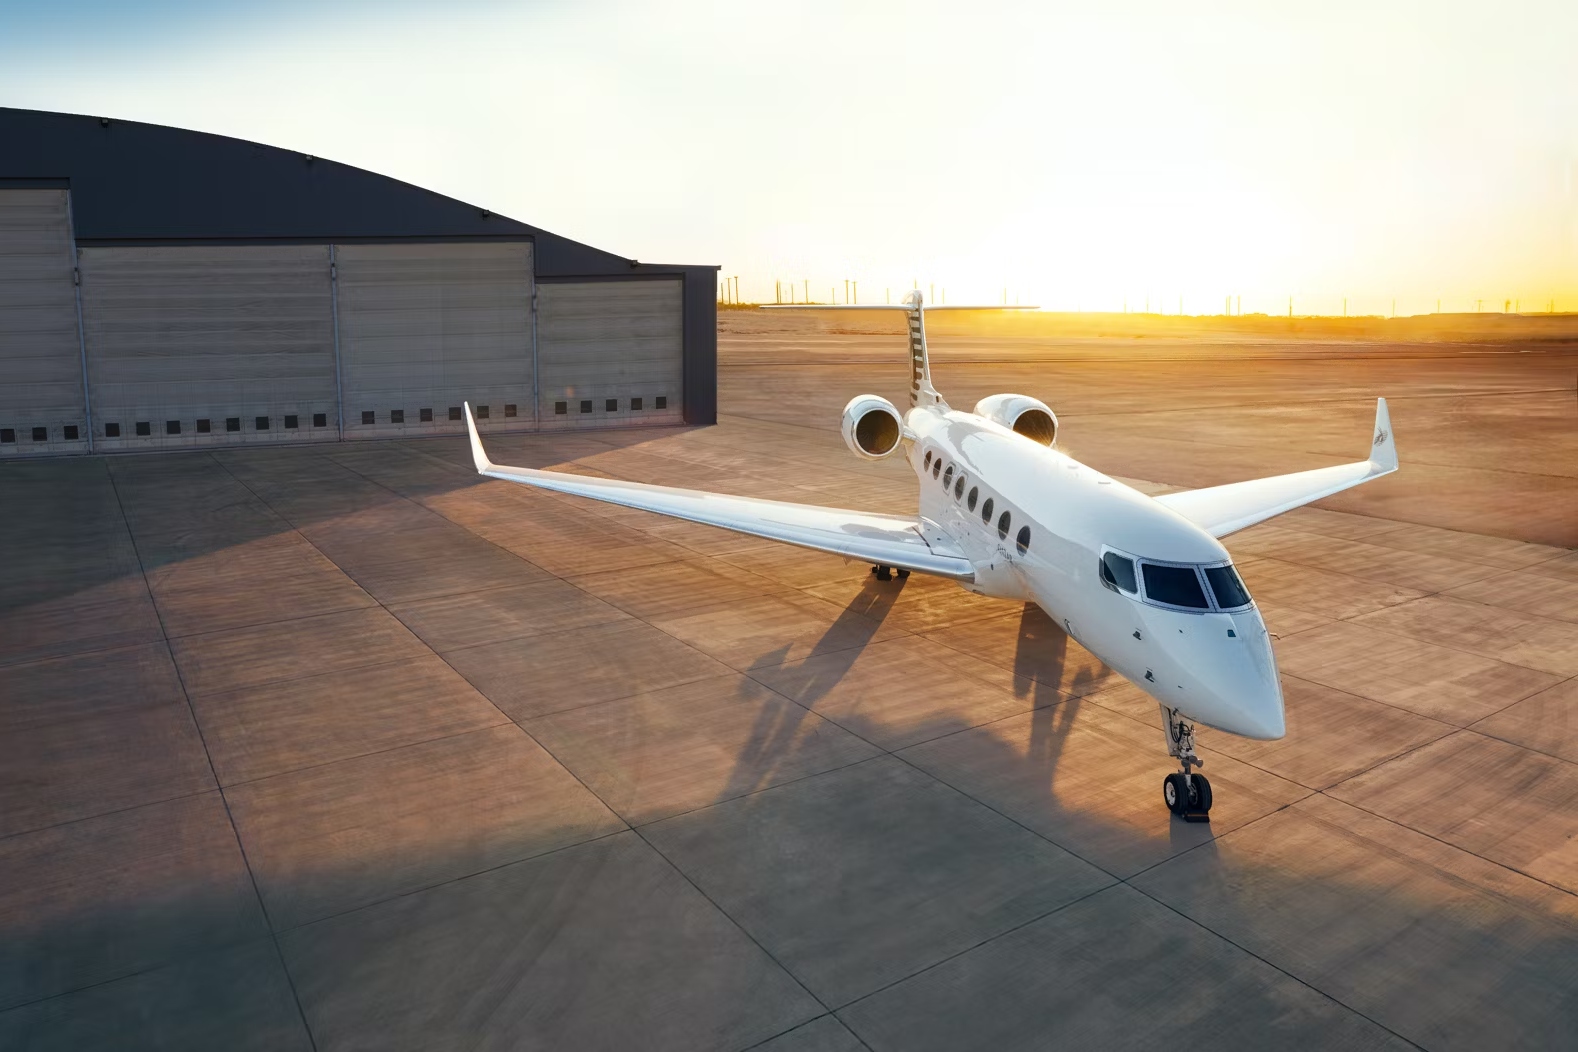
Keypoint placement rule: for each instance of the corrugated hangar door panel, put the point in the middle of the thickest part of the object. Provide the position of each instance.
(430, 326)
(237, 338)
(619, 343)
(40, 350)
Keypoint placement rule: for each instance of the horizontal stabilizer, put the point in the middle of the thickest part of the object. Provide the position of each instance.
(905, 542)
(1222, 510)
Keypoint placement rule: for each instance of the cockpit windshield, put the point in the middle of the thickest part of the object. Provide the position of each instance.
(1174, 586)
(1229, 590)
(1181, 586)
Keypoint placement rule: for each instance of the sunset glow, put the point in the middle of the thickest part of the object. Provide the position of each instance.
(1079, 158)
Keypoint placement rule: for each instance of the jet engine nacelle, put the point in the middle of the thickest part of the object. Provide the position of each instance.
(1021, 414)
(872, 427)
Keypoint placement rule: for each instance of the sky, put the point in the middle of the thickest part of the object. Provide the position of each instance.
(1080, 156)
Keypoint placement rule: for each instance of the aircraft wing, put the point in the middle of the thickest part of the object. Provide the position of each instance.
(901, 541)
(1222, 510)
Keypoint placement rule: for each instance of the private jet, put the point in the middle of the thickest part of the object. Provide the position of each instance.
(1142, 582)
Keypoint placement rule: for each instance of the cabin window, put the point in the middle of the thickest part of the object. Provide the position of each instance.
(958, 487)
(172, 427)
(1174, 586)
(1003, 523)
(1022, 542)
(926, 464)
(367, 416)
(1225, 585)
(144, 429)
(936, 467)
(1118, 570)
(396, 416)
(947, 477)
(322, 419)
(425, 415)
(975, 491)
(986, 510)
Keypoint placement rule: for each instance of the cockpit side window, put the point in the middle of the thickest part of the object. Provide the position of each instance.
(1225, 584)
(1118, 571)
(1174, 586)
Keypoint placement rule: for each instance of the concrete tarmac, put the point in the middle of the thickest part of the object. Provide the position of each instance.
(344, 747)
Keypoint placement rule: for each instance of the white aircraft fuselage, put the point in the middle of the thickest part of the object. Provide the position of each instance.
(1214, 665)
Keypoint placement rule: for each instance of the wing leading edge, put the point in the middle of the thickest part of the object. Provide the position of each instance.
(1222, 510)
(903, 542)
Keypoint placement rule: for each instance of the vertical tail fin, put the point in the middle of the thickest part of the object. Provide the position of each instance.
(921, 390)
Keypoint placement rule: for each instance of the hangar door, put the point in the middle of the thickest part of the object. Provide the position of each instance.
(611, 352)
(426, 327)
(41, 406)
(191, 345)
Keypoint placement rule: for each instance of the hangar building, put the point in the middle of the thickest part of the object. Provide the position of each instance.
(162, 288)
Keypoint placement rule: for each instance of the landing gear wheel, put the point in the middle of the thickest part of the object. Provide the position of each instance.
(903, 574)
(1175, 792)
(883, 573)
(1202, 791)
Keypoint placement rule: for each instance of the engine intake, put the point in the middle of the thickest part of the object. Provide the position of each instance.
(872, 427)
(1021, 414)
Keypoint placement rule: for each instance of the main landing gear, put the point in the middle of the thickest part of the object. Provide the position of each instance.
(885, 573)
(1187, 795)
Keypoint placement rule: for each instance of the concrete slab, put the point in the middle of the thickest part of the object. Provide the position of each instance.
(91, 901)
(1324, 592)
(907, 690)
(518, 611)
(918, 604)
(772, 630)
(286, 650)
(1286, 620)
(796, 567)
(421, 564)
(674, 589)
(237, 999)
(549, 673)
(256, 600)
(1552, 592)
(92, 733)
(673, 750)
(332, 838)
(264, 730)
(1434, 681)
(117, 613)
(1401, 566)
(826, 1034)
(1519, 639)
(1065, 981)
(1332, 735)
(858, 878)
(1503, 552)
(1027, 643)
(603, 945)
(1498, 800)
(1090, 780)
(1443, 948)
(1546, 722)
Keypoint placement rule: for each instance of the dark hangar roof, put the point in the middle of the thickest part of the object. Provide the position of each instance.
(145, 182)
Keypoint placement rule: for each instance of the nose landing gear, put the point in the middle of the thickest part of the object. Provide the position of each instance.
(1186, 795)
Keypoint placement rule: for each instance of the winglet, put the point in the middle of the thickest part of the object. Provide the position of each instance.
(478, 456)
(1383, 445)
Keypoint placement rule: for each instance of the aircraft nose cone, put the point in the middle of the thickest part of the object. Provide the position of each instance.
(1256, 689)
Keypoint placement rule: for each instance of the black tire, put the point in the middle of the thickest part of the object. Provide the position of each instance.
(1202, 789)
(1175, 794)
